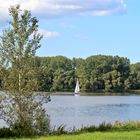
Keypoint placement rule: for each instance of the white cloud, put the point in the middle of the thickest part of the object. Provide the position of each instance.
(58, 8)
(48, 34)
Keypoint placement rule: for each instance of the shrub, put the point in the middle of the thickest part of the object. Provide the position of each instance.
(6, 132)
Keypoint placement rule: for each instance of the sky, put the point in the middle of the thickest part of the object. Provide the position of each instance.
(82, 28)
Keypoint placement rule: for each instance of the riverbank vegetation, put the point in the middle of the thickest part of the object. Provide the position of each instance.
(96, 74)
(117, 128)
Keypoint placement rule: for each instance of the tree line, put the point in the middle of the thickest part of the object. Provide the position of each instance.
(95, 73)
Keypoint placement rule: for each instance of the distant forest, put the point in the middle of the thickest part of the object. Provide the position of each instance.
(95, 73)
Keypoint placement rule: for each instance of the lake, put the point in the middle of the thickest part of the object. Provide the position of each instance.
(88, 110)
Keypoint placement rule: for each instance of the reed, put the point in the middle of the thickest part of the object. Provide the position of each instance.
(119, 127)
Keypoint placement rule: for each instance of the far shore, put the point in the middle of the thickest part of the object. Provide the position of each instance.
(128, 93)
(96, 93)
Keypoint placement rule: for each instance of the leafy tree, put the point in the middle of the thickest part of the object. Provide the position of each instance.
(56, 73)
(108, 81)
(96, 73)
(135, 74)
(20, 107)
(81, 73)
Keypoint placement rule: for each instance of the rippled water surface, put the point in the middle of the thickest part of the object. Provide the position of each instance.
(87, 110)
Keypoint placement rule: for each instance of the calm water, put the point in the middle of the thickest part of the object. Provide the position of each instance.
(87, 110)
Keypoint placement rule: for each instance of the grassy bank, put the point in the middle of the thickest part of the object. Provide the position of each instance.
(125, 135)
(135, 135)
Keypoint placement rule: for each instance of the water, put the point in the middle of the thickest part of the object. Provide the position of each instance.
(88, 110)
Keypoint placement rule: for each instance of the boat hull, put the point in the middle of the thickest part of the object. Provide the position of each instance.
(76, 94)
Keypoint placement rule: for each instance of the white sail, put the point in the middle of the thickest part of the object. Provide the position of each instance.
(77, 88)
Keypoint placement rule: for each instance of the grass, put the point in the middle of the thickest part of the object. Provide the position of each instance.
(124, 135)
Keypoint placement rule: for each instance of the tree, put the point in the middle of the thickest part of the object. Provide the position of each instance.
(20, 107)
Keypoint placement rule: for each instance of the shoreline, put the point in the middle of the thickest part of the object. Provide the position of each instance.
(129, 93)
(63, 93)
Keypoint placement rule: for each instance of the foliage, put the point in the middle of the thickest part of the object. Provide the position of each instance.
(6, 132)
(61, 130)
(96, 73)
(56, 73)
(20, 106)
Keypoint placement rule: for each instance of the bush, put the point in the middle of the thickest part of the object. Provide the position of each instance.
(21, 131)
(6, 132)
(41, 126)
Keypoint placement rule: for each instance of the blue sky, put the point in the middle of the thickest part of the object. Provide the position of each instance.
(81, 28)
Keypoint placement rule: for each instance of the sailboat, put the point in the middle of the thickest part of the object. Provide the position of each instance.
(77, 89)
